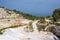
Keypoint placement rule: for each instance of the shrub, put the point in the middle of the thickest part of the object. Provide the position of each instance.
(39, 28)
(57, 24)
(1, 30)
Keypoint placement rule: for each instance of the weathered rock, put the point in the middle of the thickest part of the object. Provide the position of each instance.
(55, 30)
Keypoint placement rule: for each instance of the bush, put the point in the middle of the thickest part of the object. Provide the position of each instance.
(56, 14)
(39, 28)
(42, 20)
(57, 24)
(12, 26)
(1, 30)
(31, 27)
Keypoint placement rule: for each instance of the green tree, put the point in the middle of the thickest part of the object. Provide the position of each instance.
(56, 14)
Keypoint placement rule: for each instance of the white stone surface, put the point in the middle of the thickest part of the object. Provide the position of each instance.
(20, 34)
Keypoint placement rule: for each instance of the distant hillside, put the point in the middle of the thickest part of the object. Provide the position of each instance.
(26, 15)
(7, 13)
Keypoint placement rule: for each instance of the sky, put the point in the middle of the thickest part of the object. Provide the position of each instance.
(34, 7)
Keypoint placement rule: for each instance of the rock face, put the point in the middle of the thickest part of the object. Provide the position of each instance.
(5, 13)
(9, 18)
(47, 36)
(30, 32)
(51, 28)
(20, 34)
(55, 30)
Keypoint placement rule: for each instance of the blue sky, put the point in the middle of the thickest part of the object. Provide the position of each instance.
(34, 7)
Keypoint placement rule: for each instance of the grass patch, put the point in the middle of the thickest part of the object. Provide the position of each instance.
(31, 27)
(2, 30)
(13, 26)
(39, 27)
(57, 24)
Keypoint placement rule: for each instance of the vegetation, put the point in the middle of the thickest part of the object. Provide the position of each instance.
(27, 16)
(31, 27)
(42, 20)
(13, 26)
(48, 17)
(39, 28)
(49, 29)
(30, 24)
(2, 30)
(57, 24)
(56, 14)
